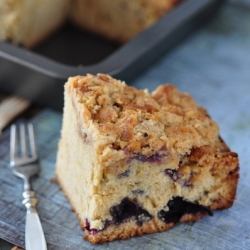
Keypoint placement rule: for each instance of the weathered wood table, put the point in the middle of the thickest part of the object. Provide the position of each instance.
(213, 65)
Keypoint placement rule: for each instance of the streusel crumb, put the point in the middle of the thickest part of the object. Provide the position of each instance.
(137, 122)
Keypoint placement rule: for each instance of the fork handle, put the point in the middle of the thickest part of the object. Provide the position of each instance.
(34, 235)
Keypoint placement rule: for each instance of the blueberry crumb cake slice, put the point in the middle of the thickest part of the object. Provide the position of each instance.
(131, 162)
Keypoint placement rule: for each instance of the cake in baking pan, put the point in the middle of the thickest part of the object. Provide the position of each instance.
(118, 20)
(28, 22)
(131, 162)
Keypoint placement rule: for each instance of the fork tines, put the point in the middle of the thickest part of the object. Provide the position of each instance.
(20, 151)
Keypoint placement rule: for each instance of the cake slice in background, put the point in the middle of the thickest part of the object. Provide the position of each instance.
(132, 163)
(28, 22)
(118, 20)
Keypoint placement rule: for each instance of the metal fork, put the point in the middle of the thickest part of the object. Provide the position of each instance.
(24, 164)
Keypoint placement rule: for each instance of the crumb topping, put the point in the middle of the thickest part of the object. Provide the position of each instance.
(136, 121)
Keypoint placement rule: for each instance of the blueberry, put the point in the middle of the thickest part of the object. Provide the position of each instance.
(124, 174)
(127, 209)
(91, 231)
(140, 157)
(156, 158)
(178, 207)
(173, 174)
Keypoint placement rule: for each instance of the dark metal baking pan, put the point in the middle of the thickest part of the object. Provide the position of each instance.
(39, 75)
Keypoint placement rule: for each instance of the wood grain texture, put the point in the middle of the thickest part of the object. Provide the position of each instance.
(213, 66)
